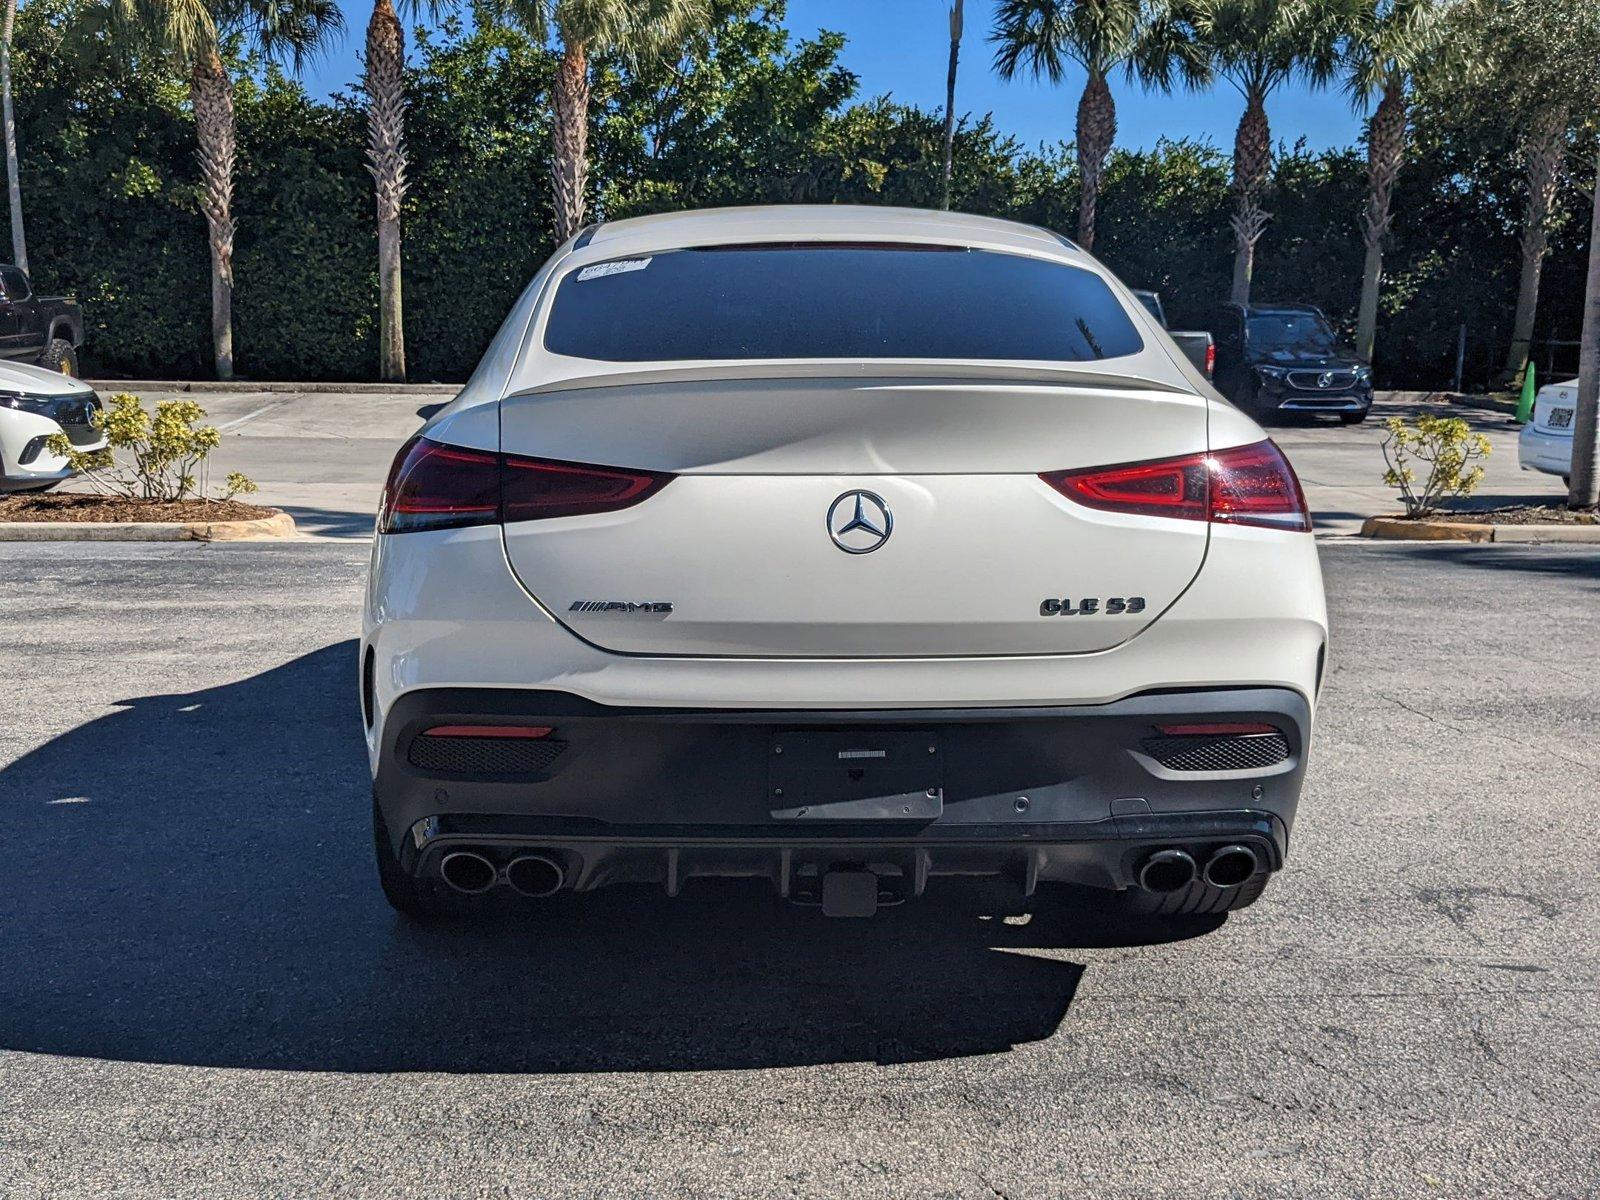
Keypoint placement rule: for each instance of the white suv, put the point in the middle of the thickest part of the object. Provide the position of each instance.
(854, 549)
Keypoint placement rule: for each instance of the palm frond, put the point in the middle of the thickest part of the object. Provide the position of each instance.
(182, 28)
(1033, 37)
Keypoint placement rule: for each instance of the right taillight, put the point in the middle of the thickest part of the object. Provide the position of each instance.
(1247, 485)
(434, 486)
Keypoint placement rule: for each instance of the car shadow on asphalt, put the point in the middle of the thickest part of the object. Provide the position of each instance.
(330, 522)
(189, 880)
(1575, 560)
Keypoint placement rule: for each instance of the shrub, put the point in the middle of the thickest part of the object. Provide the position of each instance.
(1445, 446)
(161, 452)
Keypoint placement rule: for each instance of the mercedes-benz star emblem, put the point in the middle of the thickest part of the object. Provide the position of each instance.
(1325, 379)
(859, 522)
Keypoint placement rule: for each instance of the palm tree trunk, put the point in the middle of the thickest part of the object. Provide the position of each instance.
(1097, 130)
(19, 243)
(386, 160)
(1546, 147)
(956, 20)
(211, 93)
(569, 166)
(1386, 139)
(1252, 160)
(1584, 489)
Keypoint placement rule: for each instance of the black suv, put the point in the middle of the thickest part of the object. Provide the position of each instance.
(1275, 359)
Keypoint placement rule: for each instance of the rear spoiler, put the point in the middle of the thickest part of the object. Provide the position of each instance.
(1078, 375)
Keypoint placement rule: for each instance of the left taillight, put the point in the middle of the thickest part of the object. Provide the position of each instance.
(1245, 485)
(434, 486)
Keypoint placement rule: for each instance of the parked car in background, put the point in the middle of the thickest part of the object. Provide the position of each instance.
(1197, 344)
(1275, 360)
(755, 547)
(44, 329)
(1545, 443)
(36, 402)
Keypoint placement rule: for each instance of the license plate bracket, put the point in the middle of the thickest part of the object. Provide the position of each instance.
(855, 775)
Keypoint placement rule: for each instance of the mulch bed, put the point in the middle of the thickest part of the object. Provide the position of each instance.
(1522, 515)
(67, 506)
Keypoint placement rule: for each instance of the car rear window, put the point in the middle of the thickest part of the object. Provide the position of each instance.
(836, 301)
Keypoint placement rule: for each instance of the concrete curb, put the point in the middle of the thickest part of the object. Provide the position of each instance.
(1400, 529)
(236, 386)
(280, 525)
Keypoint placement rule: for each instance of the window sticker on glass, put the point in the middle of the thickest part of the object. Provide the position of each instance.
(619, 267)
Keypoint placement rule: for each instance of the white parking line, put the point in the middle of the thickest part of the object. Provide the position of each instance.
(251, 416)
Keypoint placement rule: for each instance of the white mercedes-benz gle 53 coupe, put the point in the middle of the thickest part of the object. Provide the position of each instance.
(851, 549)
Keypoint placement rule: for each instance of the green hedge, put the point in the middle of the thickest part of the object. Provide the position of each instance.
(751, 116)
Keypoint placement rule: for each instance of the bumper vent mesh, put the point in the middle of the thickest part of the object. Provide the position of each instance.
(1249, 752)
(484, 756)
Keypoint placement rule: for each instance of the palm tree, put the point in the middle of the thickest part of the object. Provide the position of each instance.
(191, 33)
(386, 159)
(19, 243)
(956, 22)
(1544, 152)
(1257, 45)
(635, 28)
(1141, 37)
(1583, 489)
(1389, 43)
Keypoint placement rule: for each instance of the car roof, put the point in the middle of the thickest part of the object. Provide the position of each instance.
(816, 223)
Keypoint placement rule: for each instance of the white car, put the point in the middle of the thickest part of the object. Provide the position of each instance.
(857, 550)
(1545, 443)
(35, 403)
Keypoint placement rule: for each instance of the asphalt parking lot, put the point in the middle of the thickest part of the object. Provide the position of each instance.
(323, 455)
(202, 993)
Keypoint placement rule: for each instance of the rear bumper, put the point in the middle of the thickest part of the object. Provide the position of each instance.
(1078, 793)
(1547, 452)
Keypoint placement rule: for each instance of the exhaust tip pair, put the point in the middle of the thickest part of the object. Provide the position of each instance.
(532, 875)
(1173, 870)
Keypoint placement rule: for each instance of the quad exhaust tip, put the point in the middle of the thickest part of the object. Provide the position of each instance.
(472, 873)
(468, 871)
(535, 875)
(1231, 866)
(1167, 871)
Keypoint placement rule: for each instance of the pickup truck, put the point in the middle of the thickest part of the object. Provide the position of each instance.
(42, 329)
(1196, 344)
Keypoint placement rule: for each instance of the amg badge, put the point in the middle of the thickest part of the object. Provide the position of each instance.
(657, 607)
(1089, 606)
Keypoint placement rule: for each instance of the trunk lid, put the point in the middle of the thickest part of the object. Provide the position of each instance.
(771, 541)
(1554, 408)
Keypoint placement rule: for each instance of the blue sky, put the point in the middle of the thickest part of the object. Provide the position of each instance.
(899, 47)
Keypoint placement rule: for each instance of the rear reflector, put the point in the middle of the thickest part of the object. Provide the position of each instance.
(1246, 485)
(489, 731)
(434, 486)
(1211, 361)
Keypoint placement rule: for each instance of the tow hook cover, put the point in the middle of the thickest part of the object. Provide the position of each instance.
(849, 894)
